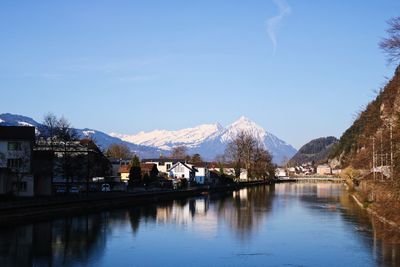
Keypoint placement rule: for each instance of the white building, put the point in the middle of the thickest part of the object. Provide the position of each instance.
(182, 170)
(324, 169)
(16, 144)
(202, 174)
(280, 172)
(163, 165)
(243, 177)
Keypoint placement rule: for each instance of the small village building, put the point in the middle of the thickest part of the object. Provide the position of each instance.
(149, 169)
(182, 170)
(324, 169)
(163, 164)
(230, 171)
(280, 172)
(16, 144)
(124, 173)
(116, 164)
(202, 174)
(66, 164)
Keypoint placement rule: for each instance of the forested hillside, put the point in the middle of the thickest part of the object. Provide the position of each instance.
(316, 151)
(374, 136)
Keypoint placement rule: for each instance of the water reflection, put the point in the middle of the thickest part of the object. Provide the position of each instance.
(248, 219)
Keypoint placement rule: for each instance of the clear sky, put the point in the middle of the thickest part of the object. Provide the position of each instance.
(300, 69)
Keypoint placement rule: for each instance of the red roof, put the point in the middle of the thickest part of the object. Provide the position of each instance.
(124, 168)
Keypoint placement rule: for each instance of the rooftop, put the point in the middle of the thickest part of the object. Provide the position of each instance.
(17, 133)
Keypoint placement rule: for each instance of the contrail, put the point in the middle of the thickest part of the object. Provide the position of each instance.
(273, 23)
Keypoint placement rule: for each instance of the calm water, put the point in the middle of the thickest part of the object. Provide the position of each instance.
(281, 225)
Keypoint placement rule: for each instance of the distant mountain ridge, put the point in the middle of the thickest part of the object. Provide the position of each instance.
(102, 139)
(210, 140)
(317, 150)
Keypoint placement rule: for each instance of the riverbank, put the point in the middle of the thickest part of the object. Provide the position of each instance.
(363, 202)
(33, 209)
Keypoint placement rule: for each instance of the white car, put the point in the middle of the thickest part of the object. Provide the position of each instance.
(105, 188)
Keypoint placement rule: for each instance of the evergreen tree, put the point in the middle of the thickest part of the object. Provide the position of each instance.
(135, 173)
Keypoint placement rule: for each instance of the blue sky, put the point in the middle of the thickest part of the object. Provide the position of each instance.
(128, 66)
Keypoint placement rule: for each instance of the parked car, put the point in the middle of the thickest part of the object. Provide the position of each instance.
(105, 188)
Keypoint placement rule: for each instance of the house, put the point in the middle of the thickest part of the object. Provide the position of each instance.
(124, 172)
(324, 169)
(243, 177)
(163, 164)
(229, 170)
(182, 170)
(115, 166)
(149, 169)
(280, 173)
(72, 163)
(16, 176)
(202, 175)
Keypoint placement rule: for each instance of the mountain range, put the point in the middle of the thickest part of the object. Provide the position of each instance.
(209, 140)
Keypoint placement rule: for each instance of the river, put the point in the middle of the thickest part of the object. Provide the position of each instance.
(277, 225)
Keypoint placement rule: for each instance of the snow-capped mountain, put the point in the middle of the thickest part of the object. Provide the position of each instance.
(166, 140)
(210, 140)
(103, 140)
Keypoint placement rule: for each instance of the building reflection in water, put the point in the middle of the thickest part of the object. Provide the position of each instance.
(82, 240)
(56, 243)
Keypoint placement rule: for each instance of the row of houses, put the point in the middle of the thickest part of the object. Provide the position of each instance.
(306, 169)
(31, 167)
(200, 173)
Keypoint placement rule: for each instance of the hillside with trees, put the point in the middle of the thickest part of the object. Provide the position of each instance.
(369, 151)
(316, 151)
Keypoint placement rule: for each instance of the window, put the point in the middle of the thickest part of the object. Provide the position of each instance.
(168, 166)
(14, 163)
(14, 146)
(161, 163)
(21, 186)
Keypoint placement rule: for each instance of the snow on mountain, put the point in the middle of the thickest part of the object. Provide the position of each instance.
(191, 137)
(210, 140)
(103, 140)
(22, 123)
(88, 133)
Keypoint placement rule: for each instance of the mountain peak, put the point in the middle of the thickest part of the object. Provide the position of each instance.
(245, 124)
(207, 139)
(243, 119)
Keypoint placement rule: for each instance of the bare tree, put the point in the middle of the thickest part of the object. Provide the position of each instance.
(64, 130)
(263, 166)
(119, 151)
(50, 122)
(240, 151)
(245, 151)
(179, 152)
(196, 159)
(391, 44)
